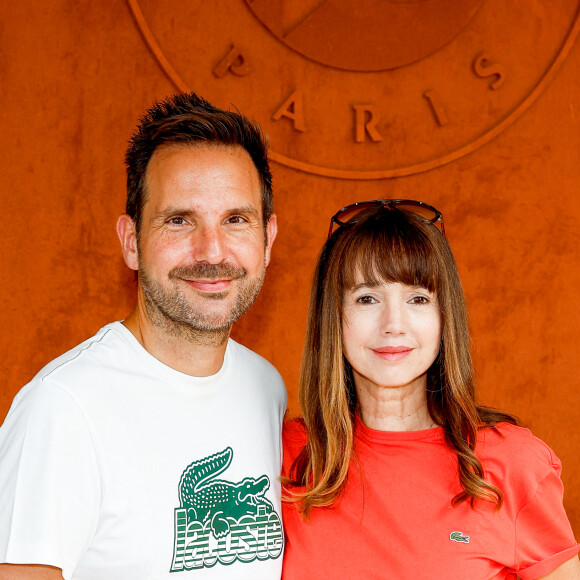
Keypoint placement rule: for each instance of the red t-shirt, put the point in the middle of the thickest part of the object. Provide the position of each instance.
(399, 522)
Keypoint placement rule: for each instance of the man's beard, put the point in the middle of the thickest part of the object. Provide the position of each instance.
(170, 309)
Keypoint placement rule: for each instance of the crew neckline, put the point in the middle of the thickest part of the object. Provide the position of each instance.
(376, 436)
(127, 336)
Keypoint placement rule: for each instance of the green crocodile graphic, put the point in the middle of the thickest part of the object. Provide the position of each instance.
(209, 499)
(459, 537)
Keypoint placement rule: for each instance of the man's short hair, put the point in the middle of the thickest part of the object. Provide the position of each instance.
(187, 119)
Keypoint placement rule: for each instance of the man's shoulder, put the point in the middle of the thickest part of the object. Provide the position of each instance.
(257, 374)
(55, 388)
(252, 360)
(105, 344)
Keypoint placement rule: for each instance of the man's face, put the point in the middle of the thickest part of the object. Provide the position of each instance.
(201, 250)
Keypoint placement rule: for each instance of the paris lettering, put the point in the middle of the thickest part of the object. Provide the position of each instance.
(366, 116)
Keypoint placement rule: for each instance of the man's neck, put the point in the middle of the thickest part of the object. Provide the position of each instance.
(197, 354)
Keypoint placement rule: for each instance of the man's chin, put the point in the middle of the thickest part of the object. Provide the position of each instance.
(215, 295)
(219, 317)
(193, 311)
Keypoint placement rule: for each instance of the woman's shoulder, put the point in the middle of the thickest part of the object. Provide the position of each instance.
(294, 438)
(507, 450)
(294, 433)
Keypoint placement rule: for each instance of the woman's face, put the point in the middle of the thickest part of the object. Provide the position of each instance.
(391, 334)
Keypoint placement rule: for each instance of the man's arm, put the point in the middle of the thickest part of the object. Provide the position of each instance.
(48, 468)
(29, 572)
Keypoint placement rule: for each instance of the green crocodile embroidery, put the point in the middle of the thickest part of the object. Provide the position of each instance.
(459, 537)
(209, 499)
(223, 522)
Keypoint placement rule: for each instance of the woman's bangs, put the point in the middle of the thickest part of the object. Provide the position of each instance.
(383, 255)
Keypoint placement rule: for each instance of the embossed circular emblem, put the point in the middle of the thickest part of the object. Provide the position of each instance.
(365, 89)
(363, 35)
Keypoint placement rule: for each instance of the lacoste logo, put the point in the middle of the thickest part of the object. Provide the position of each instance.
(222, 521)
(459, 537)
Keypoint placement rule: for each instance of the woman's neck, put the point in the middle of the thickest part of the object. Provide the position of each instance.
(394, 408)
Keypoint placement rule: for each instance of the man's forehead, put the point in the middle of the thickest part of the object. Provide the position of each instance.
(166, 149)
(197, 148)
(194, 168)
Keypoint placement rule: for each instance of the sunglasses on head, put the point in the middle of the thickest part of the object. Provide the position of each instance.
(349, 215)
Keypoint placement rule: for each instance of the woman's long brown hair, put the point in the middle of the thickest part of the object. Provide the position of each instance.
(391, 246)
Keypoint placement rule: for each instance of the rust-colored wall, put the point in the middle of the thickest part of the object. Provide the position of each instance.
(75, 77)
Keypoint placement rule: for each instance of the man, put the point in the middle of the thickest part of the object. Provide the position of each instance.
(152, 450)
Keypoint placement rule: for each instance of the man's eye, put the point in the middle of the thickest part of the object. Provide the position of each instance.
(236, 219)
(177, 221)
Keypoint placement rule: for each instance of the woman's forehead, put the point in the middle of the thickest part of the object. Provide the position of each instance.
(372, 275)
(360, 282)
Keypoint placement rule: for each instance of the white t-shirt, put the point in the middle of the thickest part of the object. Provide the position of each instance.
(114, 466)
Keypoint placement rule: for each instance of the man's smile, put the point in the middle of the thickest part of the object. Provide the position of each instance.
(209, 285)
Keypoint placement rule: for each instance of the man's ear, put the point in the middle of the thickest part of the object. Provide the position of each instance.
(271, 231)
(127, 233)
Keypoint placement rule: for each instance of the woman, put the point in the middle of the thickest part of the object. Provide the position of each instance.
(395, 472)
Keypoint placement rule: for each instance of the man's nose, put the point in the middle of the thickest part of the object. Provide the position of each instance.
(209, 244)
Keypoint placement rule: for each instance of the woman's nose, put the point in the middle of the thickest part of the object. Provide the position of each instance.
(393, 319)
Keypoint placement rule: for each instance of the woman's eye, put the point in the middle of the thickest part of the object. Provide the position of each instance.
(365, 300)
(420, 300)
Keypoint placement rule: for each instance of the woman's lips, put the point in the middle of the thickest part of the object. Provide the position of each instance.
(393, 353)
(210, 285)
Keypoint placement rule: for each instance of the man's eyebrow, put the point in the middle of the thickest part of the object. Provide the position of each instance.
(248, 210)
(173, 211)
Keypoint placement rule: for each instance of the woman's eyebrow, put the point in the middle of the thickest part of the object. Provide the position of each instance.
(419, 287)
(364, 285)
(371, 285)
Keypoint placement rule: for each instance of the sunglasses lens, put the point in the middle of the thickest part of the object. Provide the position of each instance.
(423, 211)
(350, 213)
(355, 212)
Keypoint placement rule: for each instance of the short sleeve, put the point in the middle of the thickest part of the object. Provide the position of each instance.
(544, 537)
(50, 487)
